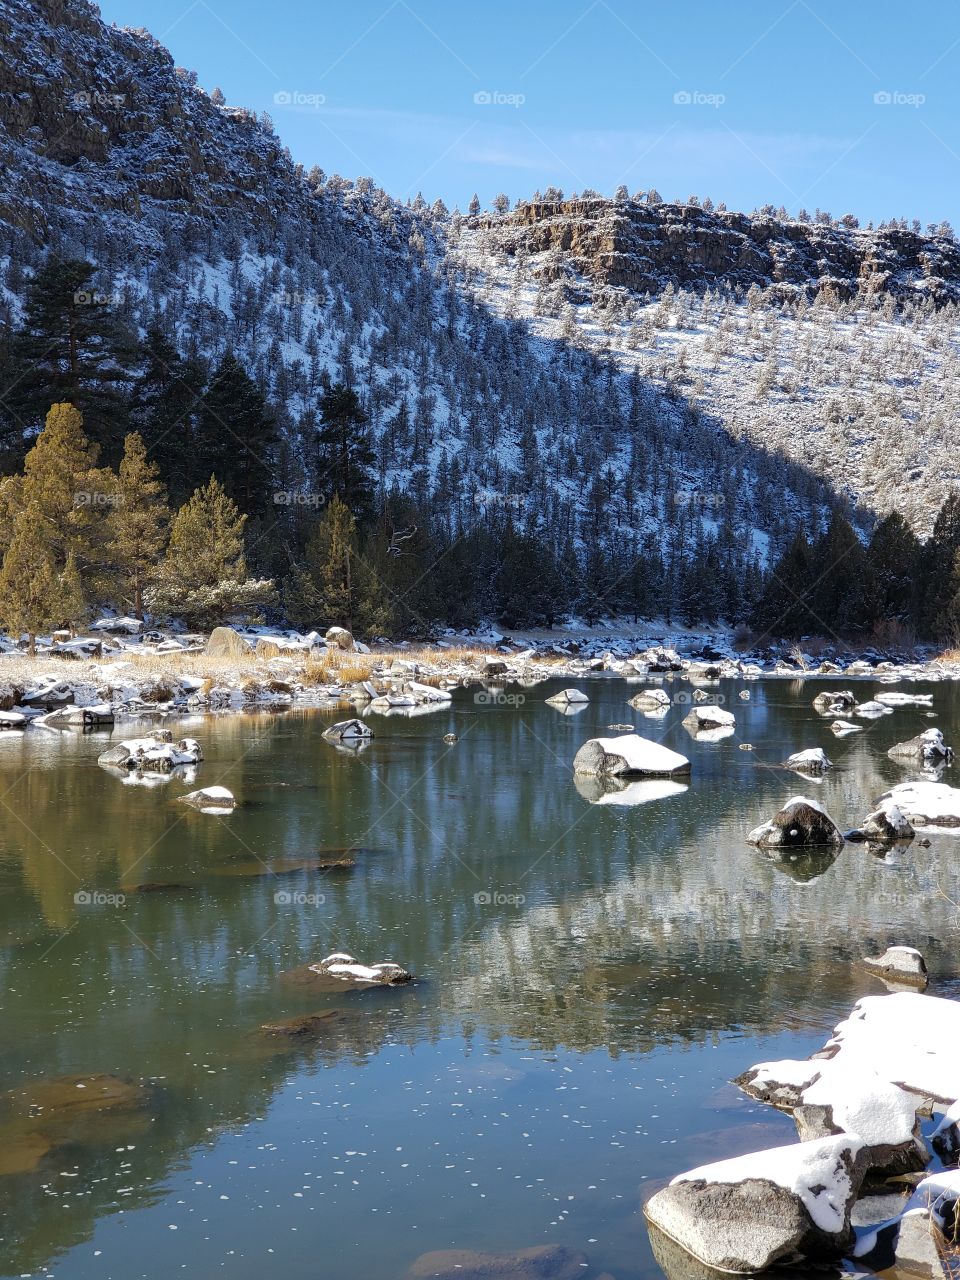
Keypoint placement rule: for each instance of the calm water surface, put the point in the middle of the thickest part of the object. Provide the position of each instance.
(590, 978)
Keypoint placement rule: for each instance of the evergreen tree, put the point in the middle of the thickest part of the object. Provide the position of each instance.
(345, 461)
(842, 593)
(333, 584)
(138, 523)
(894, 555)
(203, 577)
(34, 597)
(783, 607)
(71, 348)
(239, 438)
(166, 408)
(941, 581)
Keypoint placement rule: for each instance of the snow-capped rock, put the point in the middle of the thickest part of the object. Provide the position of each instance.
(628, 754)
(801, 822)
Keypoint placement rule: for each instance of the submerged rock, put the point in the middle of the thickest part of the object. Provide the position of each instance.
(543, 1262)
(210, 800)
(629, 754)
(800, 822)
(785, 1205)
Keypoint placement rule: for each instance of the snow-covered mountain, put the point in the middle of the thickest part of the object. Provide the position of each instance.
(619, 370)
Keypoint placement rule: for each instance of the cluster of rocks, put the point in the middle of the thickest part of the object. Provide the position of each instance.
(857, 1105)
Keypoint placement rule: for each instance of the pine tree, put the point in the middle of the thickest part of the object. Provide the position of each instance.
(238, 437)
(203, 577)
(894, 555)
(783, 608)
(941, 581)
(138, 523)
(71, 348)
(166, 408)
(345, 459)
(30, 591)
(333, 584)
(843, 591)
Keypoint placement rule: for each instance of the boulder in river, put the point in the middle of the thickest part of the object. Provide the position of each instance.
(926, 748)
(347, 731)
(650, 699)
(786, 1205)
(834, 702)
(217, 800)
(708, 717)
(567, 698)
(814, 760)
(800, 822)
(628, 754)
(886, 823)
(899, 964)
(926, 804)
(344, 967)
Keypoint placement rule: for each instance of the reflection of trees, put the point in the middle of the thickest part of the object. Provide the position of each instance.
(640, 925)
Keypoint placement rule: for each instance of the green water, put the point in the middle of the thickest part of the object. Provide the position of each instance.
(590, 977)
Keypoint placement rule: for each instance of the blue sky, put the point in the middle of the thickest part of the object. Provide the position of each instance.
(847, 107)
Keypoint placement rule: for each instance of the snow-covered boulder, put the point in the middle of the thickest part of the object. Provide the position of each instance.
(347, 731)
(12, 720)
(926, 748)
(345, 967)
(813, 760)
(211, 800)
(708, 717)
(831, 1096)
(926, 804)
(834, 702)
(785, 1205)
(153, 754)
(899, 964)
(568, 698)
(227, 644)
(872, 710)
(800, 822)
(658, 658)
(650, 700)
(118, 626)
(887, 822)
(628, 754)
(339, 638)
(842, 727)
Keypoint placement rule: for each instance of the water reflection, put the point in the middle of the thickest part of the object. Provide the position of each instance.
(544, 915)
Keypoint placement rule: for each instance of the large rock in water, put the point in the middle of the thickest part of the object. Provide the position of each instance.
(927, 748)
(926, 804)
(226, 643)
(801, 822)
(886, 823)
(786, 1205)
(626, 755)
